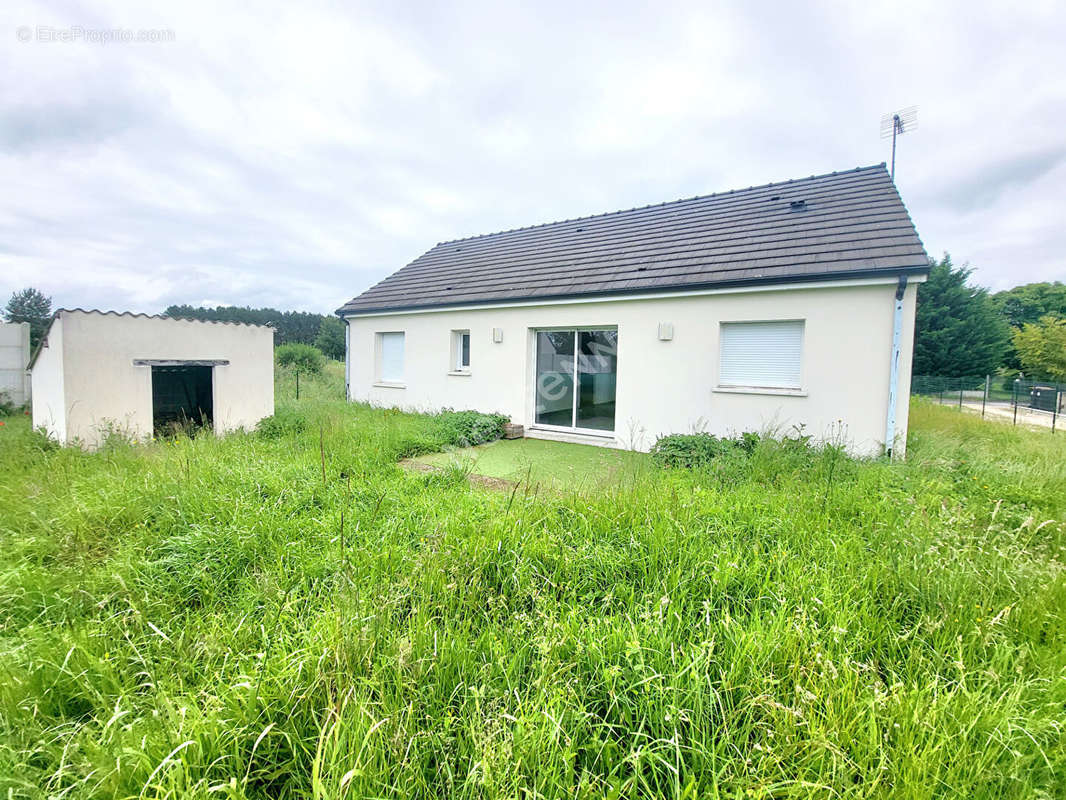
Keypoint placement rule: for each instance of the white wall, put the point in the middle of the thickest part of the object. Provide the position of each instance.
(103, 389)
(49, 392)
(14, 356)
(664, 386)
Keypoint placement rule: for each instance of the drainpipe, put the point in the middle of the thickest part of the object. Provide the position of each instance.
(347, 359)
(893, 372)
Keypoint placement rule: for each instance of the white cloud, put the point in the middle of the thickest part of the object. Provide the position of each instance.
(294, 155)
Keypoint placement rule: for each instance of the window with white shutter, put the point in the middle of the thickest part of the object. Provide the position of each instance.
(390, 349)
(765, 355)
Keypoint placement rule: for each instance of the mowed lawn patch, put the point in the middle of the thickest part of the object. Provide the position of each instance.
(559, 466)
(291, 614)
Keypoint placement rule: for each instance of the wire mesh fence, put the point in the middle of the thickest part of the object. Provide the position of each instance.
(1034, 403)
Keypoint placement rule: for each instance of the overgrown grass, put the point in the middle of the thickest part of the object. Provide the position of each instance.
(296, 616)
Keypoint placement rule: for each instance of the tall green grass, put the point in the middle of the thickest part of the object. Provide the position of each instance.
(213, 618)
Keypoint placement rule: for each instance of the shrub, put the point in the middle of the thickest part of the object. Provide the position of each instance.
(748, 441)
(7, 408)
(300, 357)
(284, 422)
(411, 446)
(469, 428)
(689, 449)
(698, 449)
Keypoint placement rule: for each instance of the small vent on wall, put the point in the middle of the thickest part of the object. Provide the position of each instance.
(666, 331)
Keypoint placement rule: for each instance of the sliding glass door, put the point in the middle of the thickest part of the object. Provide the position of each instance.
(555, 378)
(575, 379)
(597, 367)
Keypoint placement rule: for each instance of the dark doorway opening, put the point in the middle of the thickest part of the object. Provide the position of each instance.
(181, 399)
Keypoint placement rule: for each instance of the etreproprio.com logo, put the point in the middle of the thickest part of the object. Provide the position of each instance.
(78, 33)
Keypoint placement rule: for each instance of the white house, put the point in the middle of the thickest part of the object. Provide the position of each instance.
(96, 372)
(14, 356)
(790, 304)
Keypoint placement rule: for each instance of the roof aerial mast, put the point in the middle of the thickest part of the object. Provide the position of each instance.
(895, 124)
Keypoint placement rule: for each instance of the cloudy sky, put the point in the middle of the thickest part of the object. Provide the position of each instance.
(295, 156)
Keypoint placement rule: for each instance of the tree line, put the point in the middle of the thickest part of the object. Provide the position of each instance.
(326, 332)
(962, 329)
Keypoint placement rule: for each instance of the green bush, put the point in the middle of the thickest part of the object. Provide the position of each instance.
(449, 429)
(284, 422)
(300, 357)
(7, 408)
(469, 428)
(411, 446)
(690, 449)
(748, 441)
(699, 449)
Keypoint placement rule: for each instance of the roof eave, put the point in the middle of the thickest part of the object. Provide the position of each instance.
(345, 311)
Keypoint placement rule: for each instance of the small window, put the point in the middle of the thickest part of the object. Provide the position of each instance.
(461, 351)
(390, 353)
(765, 355)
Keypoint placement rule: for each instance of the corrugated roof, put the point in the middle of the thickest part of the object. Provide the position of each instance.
(141, 314)
(850, 223)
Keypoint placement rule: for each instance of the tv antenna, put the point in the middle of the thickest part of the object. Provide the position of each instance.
(893, 125)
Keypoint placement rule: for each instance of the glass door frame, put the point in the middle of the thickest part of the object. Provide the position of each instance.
(576, 330)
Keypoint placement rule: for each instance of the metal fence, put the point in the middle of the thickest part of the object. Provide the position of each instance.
(1039, 403)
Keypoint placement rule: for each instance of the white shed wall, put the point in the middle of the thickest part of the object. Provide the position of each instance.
(664, 386)
(14, 356)
(49, 392)
(104, 390)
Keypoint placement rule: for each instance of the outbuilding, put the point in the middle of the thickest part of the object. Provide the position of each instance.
(14, 356)
(101, 372)
(784, 307)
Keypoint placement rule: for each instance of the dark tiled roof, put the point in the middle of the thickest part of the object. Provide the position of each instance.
(851, 223)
